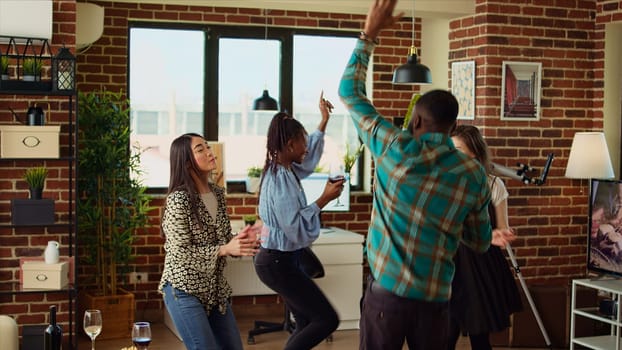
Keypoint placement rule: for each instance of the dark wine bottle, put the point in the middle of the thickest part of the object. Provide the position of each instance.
(53, 336)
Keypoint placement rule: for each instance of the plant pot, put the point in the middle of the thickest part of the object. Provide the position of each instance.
(252, 184)
(32, 211)
(36, 193)
(4, 76)
(28, 78)
(117, 311)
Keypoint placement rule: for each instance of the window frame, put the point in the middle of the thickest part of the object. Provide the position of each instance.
(214, 32)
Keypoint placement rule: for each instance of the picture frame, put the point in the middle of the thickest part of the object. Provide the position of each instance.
(520, 90)
(463, 88)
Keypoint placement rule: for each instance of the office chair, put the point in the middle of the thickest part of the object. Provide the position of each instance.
(313, 268)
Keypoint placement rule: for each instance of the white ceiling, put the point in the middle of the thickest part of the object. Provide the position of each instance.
(423, 8)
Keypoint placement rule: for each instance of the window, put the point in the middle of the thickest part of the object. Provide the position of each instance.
(168, 98)
(166, 94)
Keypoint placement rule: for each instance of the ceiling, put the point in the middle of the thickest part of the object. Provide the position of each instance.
(423, 8)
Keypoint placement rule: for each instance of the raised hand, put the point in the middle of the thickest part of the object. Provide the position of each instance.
(380, 16)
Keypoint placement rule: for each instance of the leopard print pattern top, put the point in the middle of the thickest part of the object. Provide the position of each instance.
(192, 263)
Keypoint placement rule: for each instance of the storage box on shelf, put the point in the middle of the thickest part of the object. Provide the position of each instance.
(32, 211)
(39, 275)
(23, 141)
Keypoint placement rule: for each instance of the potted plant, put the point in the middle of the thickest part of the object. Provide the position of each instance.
(112, 204)
(35, 210)
(249, 219)
(253, 175)
(4, 67)
(350, 157)
(31, 69)
(35, 178)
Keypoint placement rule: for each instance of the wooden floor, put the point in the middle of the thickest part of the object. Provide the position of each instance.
(164, 339)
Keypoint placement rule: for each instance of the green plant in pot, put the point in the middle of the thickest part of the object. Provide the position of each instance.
(35, 178)
(31, 69)
(350, 157)
(112, 204)
(253, 175)
(4, 67)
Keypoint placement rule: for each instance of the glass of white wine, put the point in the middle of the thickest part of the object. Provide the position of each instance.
(141, 335)
(92, 325)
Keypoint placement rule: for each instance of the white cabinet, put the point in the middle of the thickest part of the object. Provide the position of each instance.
(604, 342)
(341, 253)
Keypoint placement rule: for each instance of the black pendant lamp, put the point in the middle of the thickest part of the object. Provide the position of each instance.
(412, 72)
(265, 102)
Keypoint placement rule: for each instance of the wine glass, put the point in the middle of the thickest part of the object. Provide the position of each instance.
(141, 335)
(92, 325)
(337, 173)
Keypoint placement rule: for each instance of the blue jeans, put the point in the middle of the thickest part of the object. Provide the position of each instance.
(199, 330)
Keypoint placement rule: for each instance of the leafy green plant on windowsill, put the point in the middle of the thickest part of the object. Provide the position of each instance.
(350, 157)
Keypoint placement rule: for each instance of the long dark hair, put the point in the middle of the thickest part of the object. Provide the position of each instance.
(182, 163)
(473, 139)
(283, 128)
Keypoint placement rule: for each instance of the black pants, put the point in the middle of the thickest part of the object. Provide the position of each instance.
(315, 317)
(387, 320)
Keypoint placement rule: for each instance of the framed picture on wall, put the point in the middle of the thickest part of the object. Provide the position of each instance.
(463, 87)
(520, 90)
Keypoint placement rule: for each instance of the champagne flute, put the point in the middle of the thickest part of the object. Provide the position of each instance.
(337, 173)
(92, 325)
(141, 335)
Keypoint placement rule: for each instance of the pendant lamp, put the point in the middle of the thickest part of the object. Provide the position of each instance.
(412, 72)
(265, 102)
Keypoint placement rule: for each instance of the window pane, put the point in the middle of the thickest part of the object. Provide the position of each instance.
(166, 97)
(314, 73)
(240, 82)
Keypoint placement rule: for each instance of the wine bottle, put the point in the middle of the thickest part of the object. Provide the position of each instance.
(53, 336)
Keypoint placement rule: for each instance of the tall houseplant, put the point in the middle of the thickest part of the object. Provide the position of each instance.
(112, 203)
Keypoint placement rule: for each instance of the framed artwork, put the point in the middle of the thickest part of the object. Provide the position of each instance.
(463, 87)
(520, 90)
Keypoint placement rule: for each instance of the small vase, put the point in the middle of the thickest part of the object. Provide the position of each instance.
(36, 193)
(28, 78)
(51, 254)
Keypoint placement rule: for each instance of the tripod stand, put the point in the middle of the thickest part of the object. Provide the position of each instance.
(508, 248)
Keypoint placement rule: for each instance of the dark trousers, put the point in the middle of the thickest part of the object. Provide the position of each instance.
(478, 341)
(315, 317)
(388, 319)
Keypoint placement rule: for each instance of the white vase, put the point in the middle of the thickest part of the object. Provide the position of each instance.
(51, 253)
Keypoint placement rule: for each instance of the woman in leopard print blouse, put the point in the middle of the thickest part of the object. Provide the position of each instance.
(198, 240)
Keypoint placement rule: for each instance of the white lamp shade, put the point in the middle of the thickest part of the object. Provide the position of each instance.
(589, 157)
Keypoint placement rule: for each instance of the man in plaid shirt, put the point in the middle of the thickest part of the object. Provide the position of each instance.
(427, 197)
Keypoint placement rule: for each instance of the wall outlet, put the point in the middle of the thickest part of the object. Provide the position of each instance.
(138, 277)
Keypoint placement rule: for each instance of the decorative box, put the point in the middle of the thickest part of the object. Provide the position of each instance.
(32, 211)
(39, 275)
(21, 141)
